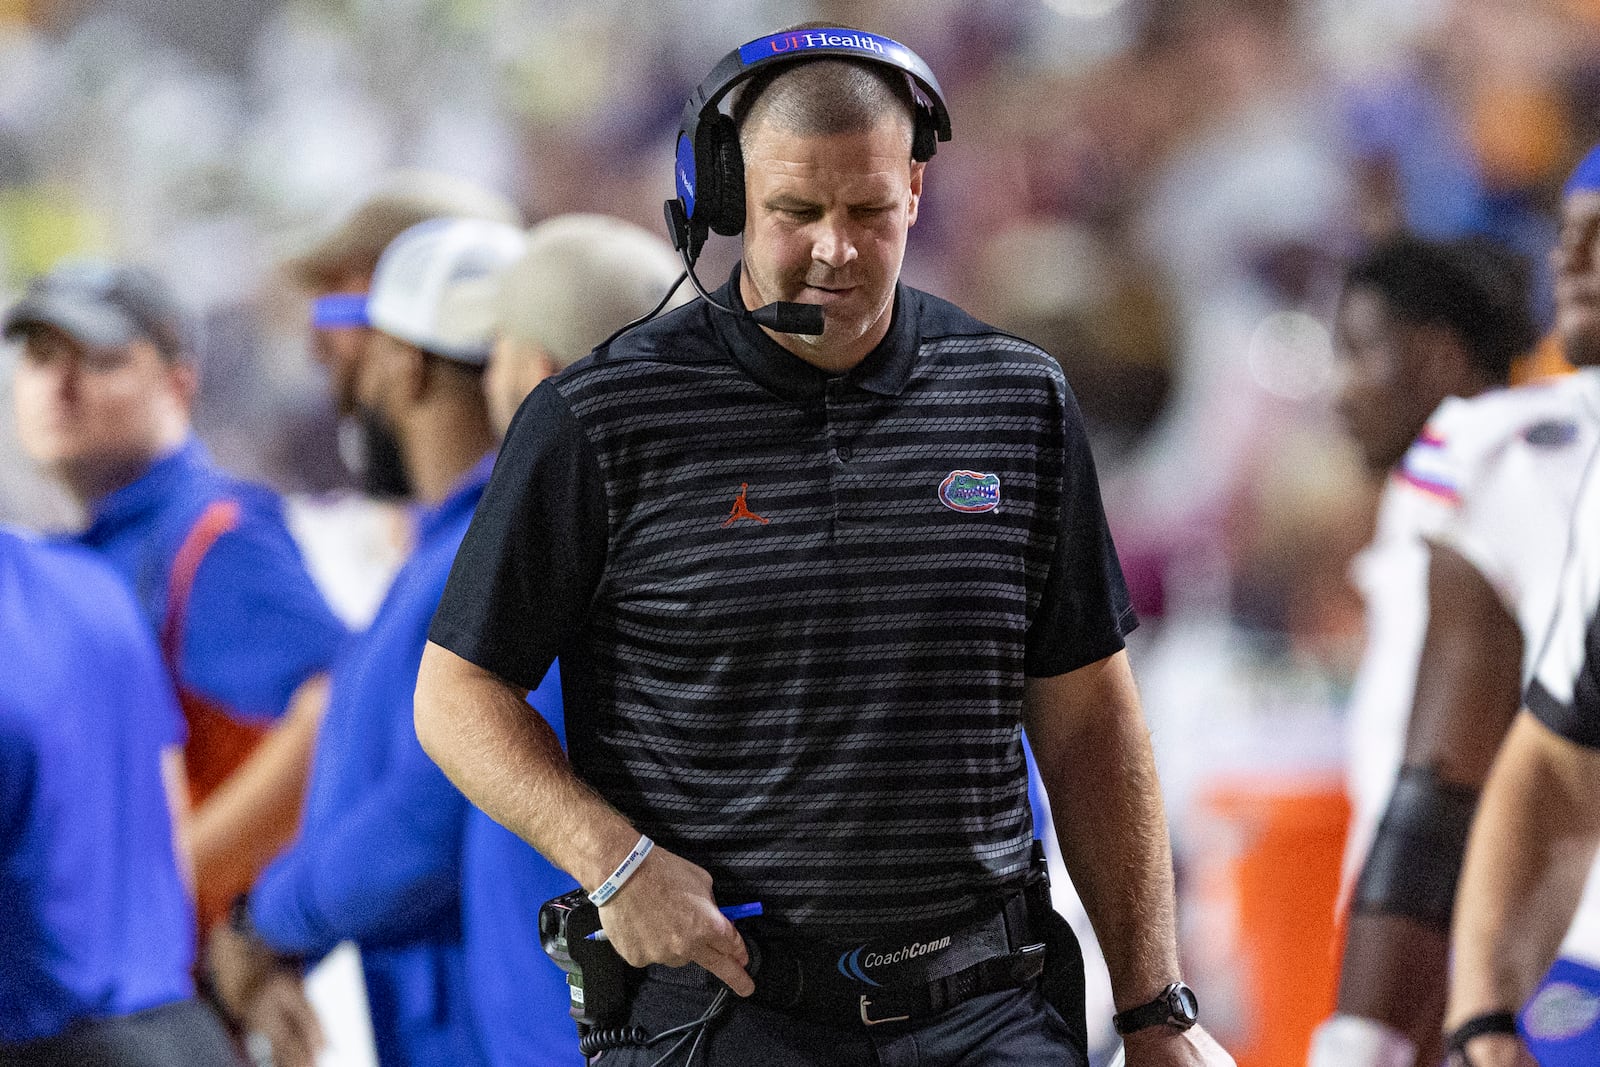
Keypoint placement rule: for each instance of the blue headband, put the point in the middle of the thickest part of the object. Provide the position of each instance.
(340, 311)
(1585, 179)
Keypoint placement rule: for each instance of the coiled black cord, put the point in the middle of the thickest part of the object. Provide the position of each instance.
(596, 1041)
(613, 1037)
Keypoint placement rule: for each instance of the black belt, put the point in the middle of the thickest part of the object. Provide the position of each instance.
(892, 980)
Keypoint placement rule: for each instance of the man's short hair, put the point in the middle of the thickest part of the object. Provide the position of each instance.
(1476, 288)
(582, 277)
(819, 97)
(405, 198)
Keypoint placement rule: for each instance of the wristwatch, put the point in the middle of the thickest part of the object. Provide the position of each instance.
(1175, 1006)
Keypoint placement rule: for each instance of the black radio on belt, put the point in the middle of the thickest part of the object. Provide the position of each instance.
(597, 977)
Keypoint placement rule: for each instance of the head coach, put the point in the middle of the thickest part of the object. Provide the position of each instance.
(808, 580)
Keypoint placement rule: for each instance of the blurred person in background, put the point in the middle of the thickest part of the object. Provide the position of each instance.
(337, 271)
(581, 277)
(104, 389)
(97, 931)
(755, 651)
(1459, 581)
(1534, 840)
(378, 860)
(354, 542)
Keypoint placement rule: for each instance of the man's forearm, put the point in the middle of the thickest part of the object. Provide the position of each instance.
(507, 760)
(1101, 778)
(250, 817)
(1527, 861)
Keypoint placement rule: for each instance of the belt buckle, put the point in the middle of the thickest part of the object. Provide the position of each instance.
(866, 1002)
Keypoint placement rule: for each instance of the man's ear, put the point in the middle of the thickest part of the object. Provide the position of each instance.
(185, 379)
(414, 372)
(917, 167)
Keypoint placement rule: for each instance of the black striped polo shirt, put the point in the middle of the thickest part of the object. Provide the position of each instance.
(794, 611)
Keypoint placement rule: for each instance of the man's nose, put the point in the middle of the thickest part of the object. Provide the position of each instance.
(833, 245)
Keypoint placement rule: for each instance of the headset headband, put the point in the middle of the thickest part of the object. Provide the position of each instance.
(931, 119)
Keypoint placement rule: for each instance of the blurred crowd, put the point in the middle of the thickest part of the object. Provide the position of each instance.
(1160, 192)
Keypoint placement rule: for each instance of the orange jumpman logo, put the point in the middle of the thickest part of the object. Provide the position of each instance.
(741, 510)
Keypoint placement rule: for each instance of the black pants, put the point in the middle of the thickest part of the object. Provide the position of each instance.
(1014, 1026)
(185, 1034)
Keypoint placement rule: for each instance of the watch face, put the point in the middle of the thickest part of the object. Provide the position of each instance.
(1183, 1004)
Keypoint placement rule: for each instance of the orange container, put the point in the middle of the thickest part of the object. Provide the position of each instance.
(1260, 888)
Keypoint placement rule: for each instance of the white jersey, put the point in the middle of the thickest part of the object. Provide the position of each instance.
(1564, 693)
(1495, 478)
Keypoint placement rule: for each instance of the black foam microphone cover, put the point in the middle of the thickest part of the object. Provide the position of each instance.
(786, 317)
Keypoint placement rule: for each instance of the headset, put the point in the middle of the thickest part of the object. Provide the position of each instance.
(710, 165)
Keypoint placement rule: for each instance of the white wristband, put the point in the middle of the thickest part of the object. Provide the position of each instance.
(1352, 1041)
(624, 871)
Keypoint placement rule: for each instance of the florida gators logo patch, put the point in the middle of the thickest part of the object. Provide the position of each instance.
(1551, 433)
(970, 491)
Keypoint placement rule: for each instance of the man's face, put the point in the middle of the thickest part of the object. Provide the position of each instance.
(1383, 403)
(1576, 260)
(340, 349)
(826, 221)
(84, 410)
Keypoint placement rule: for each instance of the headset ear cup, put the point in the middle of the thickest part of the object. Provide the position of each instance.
(924, 136)
(723, 166)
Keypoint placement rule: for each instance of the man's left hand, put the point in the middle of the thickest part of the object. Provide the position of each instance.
(1165, 1046)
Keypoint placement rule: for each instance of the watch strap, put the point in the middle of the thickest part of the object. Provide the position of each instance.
(1158, 1012)
(1489, 1022)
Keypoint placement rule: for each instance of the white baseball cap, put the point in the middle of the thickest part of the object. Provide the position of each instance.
(436, 284)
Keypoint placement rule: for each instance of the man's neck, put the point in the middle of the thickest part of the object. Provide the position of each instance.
(89, 482)
(441, 441)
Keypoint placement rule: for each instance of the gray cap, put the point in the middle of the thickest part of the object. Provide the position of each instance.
(104, 305)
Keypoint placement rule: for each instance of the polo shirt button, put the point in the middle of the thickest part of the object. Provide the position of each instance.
(843, 453)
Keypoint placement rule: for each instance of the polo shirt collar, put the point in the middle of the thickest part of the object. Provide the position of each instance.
(152, 488)
(885, 370)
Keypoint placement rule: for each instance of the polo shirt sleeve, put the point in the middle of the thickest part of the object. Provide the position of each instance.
(255, 627)
(1085, 611)
(532, 559)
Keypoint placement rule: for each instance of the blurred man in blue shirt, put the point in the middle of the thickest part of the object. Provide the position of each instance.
(104, 390)
(96, 927)
(378, 861)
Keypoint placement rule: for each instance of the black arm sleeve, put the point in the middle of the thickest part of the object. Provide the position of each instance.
(532, 559)
(1085, 612)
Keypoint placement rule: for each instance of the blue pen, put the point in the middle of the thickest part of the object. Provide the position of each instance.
(734, 912)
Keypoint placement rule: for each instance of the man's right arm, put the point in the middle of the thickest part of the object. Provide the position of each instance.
(1530, 853)
(507, 760)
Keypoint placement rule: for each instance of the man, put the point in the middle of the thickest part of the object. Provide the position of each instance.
(378, 860)
(806, 591)
(1459, 582)
(104, 389)
(337, 271)
(96, 928)
(1535, 836)
(580, 278)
